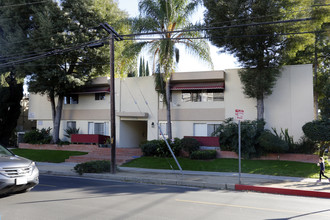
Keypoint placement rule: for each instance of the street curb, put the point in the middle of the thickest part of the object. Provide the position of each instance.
(146, 180)
(282, 191)
(185, 183)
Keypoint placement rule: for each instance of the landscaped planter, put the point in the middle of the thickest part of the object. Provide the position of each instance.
(89, 138)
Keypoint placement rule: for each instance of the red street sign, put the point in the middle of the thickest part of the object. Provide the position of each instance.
(239, 114)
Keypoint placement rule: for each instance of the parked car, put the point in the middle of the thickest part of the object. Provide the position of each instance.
(17, 174)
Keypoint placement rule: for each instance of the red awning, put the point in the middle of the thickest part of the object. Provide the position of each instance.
(198, 86)
(105, 89)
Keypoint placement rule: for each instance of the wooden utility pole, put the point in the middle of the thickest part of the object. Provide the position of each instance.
(113, 36)
(112, 104)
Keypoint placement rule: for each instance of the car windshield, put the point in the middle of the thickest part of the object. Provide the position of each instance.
(4, 152)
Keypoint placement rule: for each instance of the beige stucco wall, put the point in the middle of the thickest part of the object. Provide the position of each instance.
(138, 101)
(235, 99)
(290, 105)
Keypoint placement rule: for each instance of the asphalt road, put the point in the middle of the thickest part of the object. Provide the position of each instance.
(80, 198)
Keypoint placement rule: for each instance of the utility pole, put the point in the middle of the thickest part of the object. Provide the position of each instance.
(113, 36)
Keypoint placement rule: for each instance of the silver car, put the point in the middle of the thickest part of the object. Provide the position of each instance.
(17, 174)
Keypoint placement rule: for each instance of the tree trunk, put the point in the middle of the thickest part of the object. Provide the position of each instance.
(260, 108)
(168, 101)
(57, 115)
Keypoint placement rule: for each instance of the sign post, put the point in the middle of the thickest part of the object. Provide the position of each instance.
(239, 114)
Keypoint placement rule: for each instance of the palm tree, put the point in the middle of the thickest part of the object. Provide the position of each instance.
(166, 20)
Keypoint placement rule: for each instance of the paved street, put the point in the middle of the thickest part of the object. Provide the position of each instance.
(81, 198)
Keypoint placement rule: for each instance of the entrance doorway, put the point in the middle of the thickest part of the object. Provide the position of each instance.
(132, 133)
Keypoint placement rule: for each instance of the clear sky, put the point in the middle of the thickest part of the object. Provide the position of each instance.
(188, 62)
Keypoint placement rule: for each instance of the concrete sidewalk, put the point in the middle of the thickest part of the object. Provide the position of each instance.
(212, 180)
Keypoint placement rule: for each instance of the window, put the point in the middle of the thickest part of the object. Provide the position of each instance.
(71, 124)
(101, 128)
(100, 96)
(163, 128)
(204, 130)
(212, 128)
(200, 129)
(202, 96)
(71, 99)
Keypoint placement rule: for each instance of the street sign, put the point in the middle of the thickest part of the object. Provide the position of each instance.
(239, 114)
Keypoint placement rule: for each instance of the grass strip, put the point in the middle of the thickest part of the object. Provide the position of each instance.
(264, 167)
(52, 156)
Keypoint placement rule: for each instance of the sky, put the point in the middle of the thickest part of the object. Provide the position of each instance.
(187, 63)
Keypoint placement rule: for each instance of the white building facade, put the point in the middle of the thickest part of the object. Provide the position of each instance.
(200, 102)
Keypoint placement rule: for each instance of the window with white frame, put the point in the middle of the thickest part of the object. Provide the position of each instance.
(200, 129)
(204, 130)
(101, 128)
(163, 128)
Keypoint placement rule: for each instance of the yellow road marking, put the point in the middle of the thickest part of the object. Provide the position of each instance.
(244, 207)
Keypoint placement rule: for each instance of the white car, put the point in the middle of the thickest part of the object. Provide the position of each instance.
(17, 174)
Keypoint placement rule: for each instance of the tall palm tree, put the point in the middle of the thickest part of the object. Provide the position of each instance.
(166, 20)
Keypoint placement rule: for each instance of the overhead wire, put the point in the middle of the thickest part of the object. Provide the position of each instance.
(27, 56)
(23, 4)
(51, 53)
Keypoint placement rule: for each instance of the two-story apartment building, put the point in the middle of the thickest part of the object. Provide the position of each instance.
(200, 102)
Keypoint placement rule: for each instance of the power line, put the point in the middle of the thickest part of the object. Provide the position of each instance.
(51, 53)
(232, 36)
(217, 28)
(23, 4)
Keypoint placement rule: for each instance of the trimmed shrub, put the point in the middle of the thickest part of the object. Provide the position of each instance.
(318, 131)
(38, 136)
(99, 166)
(149, 148)
(158, 148)
(204, 155)
(271, 143)
(190, 145)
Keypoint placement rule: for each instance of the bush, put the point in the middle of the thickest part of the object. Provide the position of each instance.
(190, 145)
(271, 143)
(100, 166)
(38, 136)
(318, 131)
(70, 131)
(204, 155)
(304, 146)
(159, 148)
(149, 148)
(250, 132)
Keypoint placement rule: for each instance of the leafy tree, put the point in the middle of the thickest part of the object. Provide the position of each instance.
(147, 69)
(260, 48)
(14, 23)
(10, 108)
(316, 51)
(68, 25)
(164, 17)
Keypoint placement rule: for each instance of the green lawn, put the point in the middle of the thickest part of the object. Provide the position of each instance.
(52, 156)
(265, 167)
